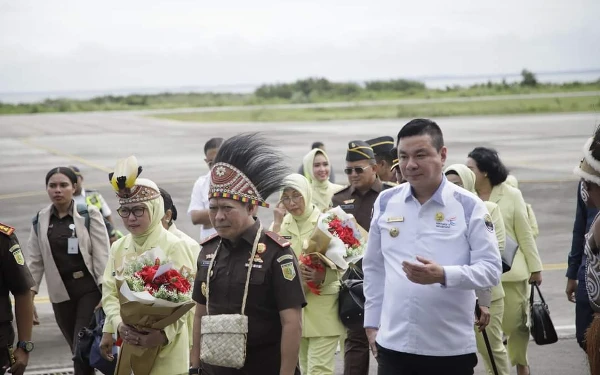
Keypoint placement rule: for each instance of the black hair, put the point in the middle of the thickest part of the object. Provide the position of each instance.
(76, 170)
(422, 126)
(168, 203)
(388, 156)
(62, 170)
(452, 171)
(254, 156)
(317, 144)
(489, 162)
(212, 144)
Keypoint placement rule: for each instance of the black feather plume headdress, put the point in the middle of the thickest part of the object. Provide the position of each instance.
(247, 169)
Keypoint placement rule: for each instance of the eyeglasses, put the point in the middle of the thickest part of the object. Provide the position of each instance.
(358, 170)
(295, 199)
(124, 212)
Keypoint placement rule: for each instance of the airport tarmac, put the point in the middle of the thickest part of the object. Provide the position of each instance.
(540, 150)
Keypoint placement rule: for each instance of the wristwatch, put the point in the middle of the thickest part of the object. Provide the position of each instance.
(27, 346)
(194, 371)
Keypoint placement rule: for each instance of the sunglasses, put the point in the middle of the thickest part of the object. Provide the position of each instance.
(124, 212)
(357, 170)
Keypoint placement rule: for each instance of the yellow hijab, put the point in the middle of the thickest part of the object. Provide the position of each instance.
(151, 236)
(301, 185)
(466, 175)
(322, 191)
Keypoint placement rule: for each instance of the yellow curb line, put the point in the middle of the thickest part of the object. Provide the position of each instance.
(66, 155)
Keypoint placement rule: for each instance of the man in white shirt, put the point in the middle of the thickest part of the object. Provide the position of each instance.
(198, 209)
(431, 245)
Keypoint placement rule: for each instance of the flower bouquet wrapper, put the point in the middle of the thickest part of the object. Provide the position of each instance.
(332, 249)
(144, 315)
(142, 310)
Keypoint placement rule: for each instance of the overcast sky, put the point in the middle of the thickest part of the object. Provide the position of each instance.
(50, 45)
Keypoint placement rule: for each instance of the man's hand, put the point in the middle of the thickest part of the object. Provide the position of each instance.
(571, 289)
(536, 277)
(484, 318)
(98, 306)
(426, 273)
(21, 361)
(371, 336)
(106, 345)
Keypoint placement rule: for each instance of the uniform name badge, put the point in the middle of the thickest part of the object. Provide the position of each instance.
(72, 246)
(72, 242)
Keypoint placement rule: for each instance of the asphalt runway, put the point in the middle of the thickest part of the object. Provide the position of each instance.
(540, 150)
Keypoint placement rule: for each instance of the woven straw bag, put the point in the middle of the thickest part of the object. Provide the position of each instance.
(223, 337)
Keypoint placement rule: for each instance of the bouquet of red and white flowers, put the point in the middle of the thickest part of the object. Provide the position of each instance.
(337, 241)
(152, 294)
(158, 279)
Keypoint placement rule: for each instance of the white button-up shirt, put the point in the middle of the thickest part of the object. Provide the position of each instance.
(199, 201)
(454, 230)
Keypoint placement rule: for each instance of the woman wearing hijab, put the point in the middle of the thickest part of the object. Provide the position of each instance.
(492, 305)
(490, 177)
(321, 326)
(69, 245)
(512, 181)
(142, 210)
(317, 170)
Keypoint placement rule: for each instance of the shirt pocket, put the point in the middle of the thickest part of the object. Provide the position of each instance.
(257, 276)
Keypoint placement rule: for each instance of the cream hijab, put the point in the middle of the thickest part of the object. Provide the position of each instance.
(301, 185)
(151, 236)
(466, 175)
(322, 191)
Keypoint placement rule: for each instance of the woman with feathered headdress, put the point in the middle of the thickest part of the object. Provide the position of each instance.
(589, 172)
(243, 269)
(142, 210)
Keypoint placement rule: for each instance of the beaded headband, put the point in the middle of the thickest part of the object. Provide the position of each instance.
(226, 181)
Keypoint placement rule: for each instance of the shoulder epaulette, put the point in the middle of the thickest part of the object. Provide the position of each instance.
(6, 229)
(209, 238)
(388, 184)
(281, 241)
(342, 189)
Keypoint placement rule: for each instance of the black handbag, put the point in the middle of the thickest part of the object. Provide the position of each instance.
(351, 303)
(510, 250)
(84, 341)
(542, 329)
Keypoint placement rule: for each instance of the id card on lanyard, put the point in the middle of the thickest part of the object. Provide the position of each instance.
(72, 242)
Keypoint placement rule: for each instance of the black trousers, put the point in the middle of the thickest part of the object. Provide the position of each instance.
(263, 360)
(7, 338)
(76, 313)
(396, 363)
(356, 352)
(584, 314)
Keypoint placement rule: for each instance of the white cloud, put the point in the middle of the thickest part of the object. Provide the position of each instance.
(67, 45)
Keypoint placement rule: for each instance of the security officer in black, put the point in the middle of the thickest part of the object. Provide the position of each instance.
(358, 199)
(16, 279)
(383, 148)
